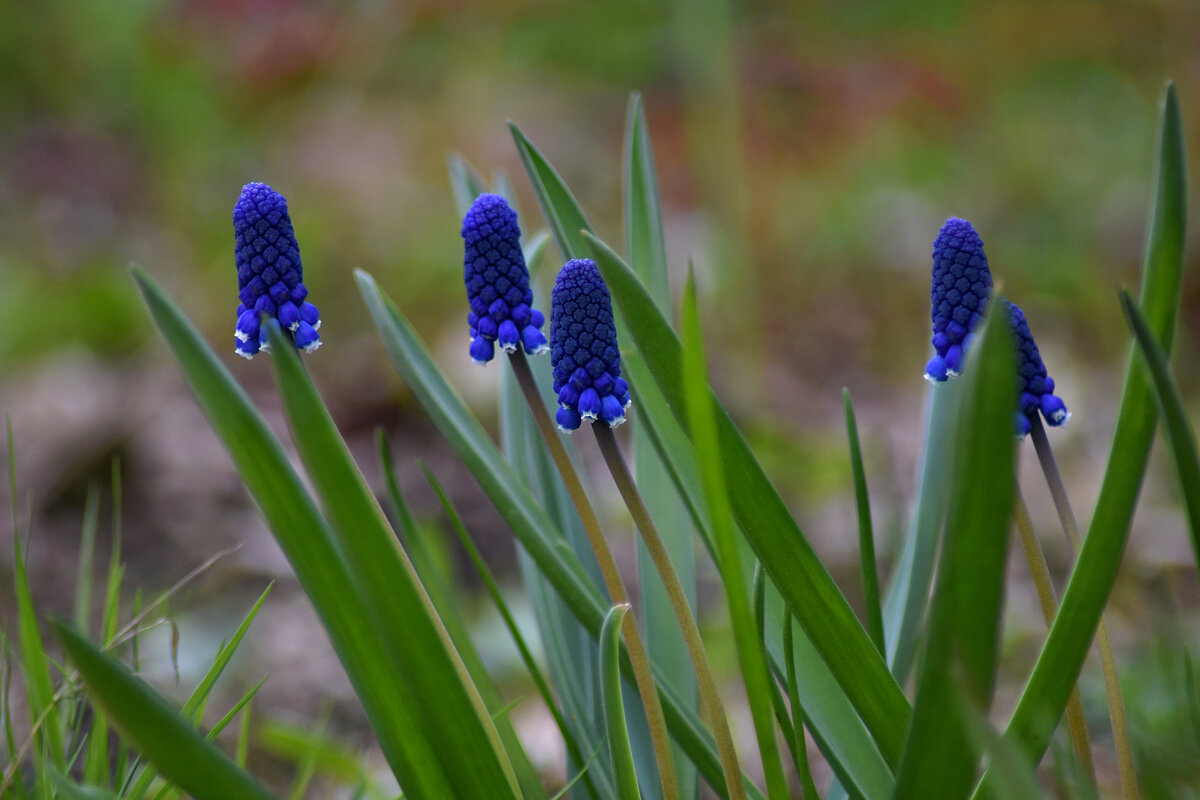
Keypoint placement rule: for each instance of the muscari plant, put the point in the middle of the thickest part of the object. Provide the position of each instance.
(637, 720)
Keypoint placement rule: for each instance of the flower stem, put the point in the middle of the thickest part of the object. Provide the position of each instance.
(643, 676)
(683, 612)
(1108, 663)
(1076, 720)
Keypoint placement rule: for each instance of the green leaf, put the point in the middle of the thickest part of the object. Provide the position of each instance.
(565, 217)
(866, 536)
(545, 544)
(958, 674)
(493, 589)
(308, 543)
(1179, 429)
(702, 423)
(645, 244)
(614, 708)
(810, 592)
(450, 711)
(908, 591)
(158, 731)
(67, 789)
(35, 666)
(1045, 695)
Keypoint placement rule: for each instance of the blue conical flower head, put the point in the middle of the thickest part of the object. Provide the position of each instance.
(1035, 386)
(962, 284)
(498, 282)
(583, 349)
(270, 278)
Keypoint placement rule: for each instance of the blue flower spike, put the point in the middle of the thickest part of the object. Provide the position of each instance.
(270, 277)
(583, 349)
(1036, 387)
(498, 283)
(962, 284)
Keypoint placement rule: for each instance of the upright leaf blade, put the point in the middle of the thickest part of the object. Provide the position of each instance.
(1057, 668)
(647, 255)
(1175, 419)
(449, 709)
(959, 668)
(308, 543)
(619, 748)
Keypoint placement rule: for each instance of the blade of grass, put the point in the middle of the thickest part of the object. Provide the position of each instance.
(810, 592)
(453, 714)
(866, 536)
(162, 735)
(961, 655)
(1057, 668)
(528, 522)
(647, 256)
(34, 664)
(702, 422)
(614, 708)
(306, 540)
(1180, 433)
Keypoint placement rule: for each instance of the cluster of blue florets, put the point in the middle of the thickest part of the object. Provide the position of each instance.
(270, 278)
(961, 286)
(583, 349)
(498, 282)
(1036, 387)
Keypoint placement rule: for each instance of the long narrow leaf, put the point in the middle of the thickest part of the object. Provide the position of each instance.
(614, 708)
(1057, 668)
(165, 737)
(866, 535)
(785, 553)
(306, 540)
(645, 243)
(451, 712)
(958, 673)
(1179, 429)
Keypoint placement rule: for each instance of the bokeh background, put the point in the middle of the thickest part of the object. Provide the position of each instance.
(807, 151)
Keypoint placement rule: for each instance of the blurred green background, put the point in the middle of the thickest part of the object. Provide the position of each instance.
(808, 153)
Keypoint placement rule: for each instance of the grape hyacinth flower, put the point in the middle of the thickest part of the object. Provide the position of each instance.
(270, 277)
(1035, 385)
(498, 282)
(961, 286)
(583, 349)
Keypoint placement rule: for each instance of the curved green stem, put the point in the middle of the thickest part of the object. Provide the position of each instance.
(1108, 663)
(643, 677)
(683, 612)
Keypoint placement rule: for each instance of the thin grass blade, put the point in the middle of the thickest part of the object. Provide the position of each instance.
(157, 730)
(1180, 432)
(866, 535)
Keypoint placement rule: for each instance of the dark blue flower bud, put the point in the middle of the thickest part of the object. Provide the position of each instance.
(962, 284)
(1035, 386)
(498, 282)
(583, 349)
(270, 277)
